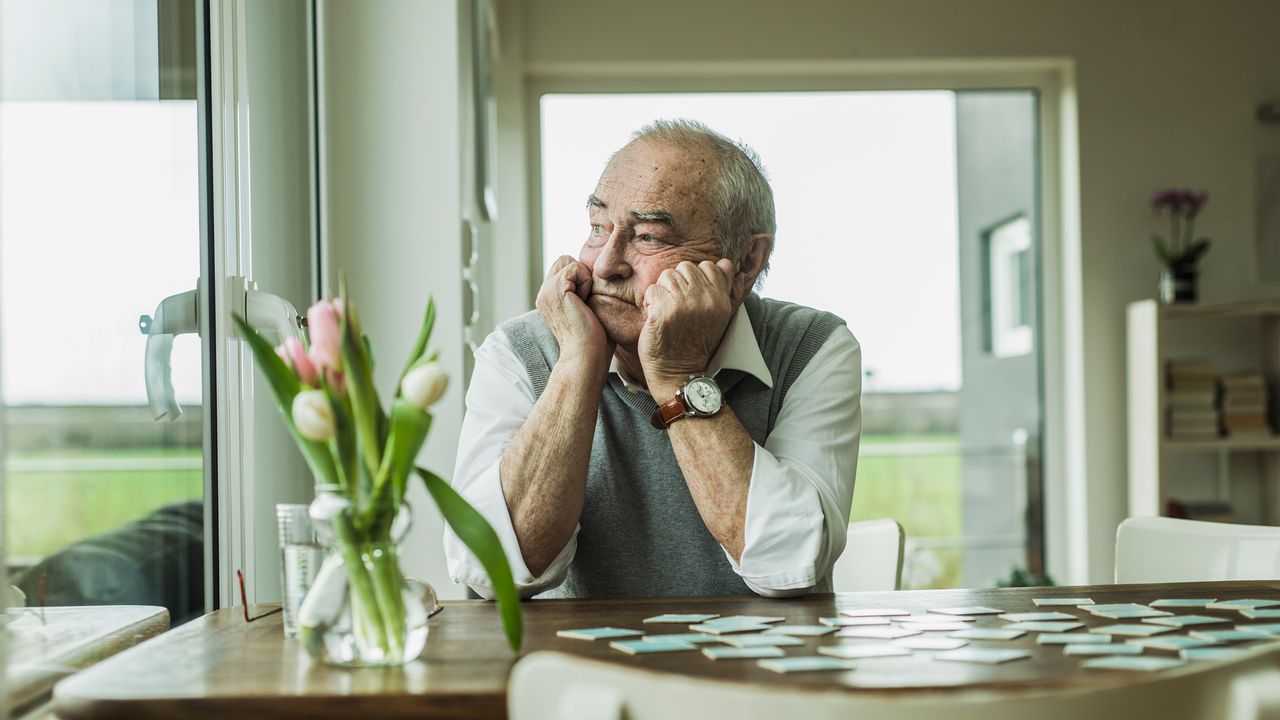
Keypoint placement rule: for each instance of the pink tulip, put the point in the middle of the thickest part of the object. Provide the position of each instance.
(337, 382)
(324, 323)
(301, 363)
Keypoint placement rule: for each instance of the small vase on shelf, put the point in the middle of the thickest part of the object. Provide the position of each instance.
(1178, 284)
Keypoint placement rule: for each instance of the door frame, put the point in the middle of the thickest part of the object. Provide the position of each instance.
(1066, 529)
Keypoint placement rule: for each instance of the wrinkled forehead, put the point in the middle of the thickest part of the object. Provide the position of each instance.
(650, 171)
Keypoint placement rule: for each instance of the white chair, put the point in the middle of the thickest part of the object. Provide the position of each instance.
(872, 558)
(557, 686)
(1157, 549)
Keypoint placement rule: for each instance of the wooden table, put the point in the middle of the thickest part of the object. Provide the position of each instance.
(219, 666)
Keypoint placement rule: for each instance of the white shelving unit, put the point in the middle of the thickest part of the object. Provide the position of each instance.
(1244, 472)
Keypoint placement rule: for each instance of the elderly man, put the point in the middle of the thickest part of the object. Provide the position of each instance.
(655, 428)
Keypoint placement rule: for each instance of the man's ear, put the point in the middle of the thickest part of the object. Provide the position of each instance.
(750, 265)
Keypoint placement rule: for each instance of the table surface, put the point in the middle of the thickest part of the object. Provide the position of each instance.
(220, 666)
(48, 644)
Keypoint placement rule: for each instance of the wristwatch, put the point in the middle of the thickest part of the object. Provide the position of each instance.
(698, 397)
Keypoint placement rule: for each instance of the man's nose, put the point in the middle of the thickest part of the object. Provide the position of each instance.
(612, 260)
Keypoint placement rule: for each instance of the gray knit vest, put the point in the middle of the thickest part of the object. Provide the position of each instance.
(641, 534)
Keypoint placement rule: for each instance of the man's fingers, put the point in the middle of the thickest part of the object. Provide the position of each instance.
(716, 273)
(726, 267)
(560, 264)
(580, 276)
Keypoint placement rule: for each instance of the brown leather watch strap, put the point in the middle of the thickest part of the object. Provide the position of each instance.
(673, 410)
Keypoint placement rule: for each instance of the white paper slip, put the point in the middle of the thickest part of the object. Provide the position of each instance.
(745, 620)
(853, 621)
(1037, 617)
(733, 653)
(1268, 628)
(970, 610)
(600, 633)
(1261, 613)
(931, 618)
(933, 627)
(1071, 638)
(806, 664)
(1179, 621)
(1242, 604)
(931, 643)
(1142, 662)
(872, 612)
(800, 630)
(1131, 614)
(864, 651)
(1103, 649)
(641, 647)
(1044, 626)
(686, 618)
(983, 655)
(727, 629)
(1133, 630)
(1061, 602)
(762, 640)
(877, 633)
(1230, 635)
(1183, 602)
(988, 634)
(1114, 607)
(695, 638)
(1171, 642)
(1212, 653)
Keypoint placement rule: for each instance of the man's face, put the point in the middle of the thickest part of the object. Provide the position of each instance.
(651, 210)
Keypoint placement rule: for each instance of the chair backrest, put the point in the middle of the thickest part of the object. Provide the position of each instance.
(557, 686)
(1157, 549)
(872, 558)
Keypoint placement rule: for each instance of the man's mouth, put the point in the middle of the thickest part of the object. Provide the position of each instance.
(607, 296)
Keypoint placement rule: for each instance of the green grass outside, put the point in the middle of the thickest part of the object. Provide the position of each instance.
(47, 511)
(923, 493)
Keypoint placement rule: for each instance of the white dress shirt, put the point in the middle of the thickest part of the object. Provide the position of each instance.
(801, 478)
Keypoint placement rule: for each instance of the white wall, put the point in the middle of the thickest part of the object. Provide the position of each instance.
(1166, 93)
(391, 198)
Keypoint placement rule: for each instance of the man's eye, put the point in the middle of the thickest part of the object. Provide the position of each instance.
(646, 238)
(597, 229)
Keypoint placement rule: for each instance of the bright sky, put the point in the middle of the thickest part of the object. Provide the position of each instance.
(99, 221)
(865, 188)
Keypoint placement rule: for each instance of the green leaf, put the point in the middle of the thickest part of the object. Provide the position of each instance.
(365, 408)
(409, 427)
(420, 345)
(285, 386)
(1196, 251)
(471, 527)
(1161, 252)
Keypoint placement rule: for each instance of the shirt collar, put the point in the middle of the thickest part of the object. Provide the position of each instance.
(738, 350)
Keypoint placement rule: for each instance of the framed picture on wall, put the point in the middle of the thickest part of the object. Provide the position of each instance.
(1009, 270)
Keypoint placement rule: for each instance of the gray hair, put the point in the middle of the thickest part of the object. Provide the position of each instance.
(742, 199)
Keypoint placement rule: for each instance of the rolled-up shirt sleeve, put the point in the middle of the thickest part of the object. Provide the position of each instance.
(499, 399)
(802, 477)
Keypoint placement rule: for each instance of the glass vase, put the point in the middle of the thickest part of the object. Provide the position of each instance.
(1178, 284)
(362, 611)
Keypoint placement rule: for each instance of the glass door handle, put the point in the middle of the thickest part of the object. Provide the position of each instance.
(180, 314)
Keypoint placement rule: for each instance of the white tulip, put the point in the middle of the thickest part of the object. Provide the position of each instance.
(313, 416)
(424, 384)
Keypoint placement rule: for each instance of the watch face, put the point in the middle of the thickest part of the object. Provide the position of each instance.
(703, 395)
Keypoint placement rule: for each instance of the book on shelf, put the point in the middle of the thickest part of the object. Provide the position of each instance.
(1244, 405)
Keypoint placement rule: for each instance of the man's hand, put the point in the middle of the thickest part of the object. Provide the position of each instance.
(687, 312)
(562, 304)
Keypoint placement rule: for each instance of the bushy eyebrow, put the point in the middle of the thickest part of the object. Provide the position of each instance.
(659, 217)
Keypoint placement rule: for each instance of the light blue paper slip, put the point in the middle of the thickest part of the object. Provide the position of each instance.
(1183, 602)
(800, 630)
(931, 643)
(695, 638)
(1044, 626)
(1061, 602)
(600, 633)
(640, 647)
(1103, 649)
(969, 610)
(1185, 620)
(1131, 630)
(878, 633)
(870, 650)
(988, 656)
(1173, 642)
(1071, 638)
(1212, 653)
(933, 626)
(762, 640)
(805, 664)
(1037, 617)
(733, 653)
(872, 612)
(852, 621)
(1230, 635)
(1143, 663)
(685, 618)
(1241, 604)
(728, 628)
(988, 634)
(1136, 614)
